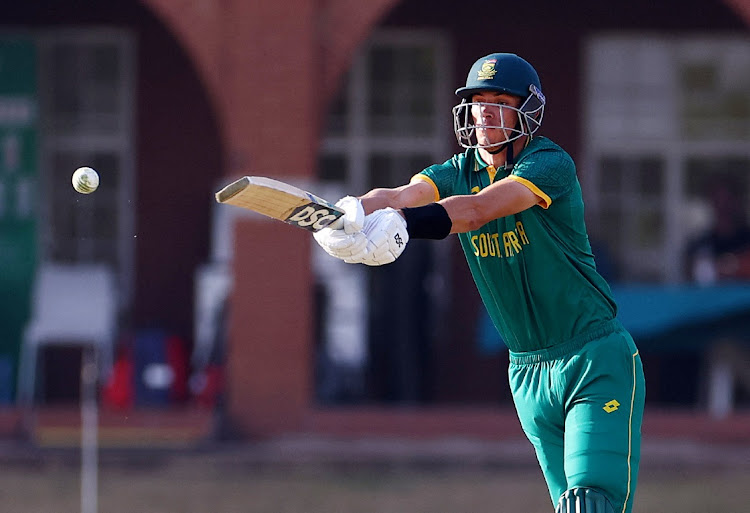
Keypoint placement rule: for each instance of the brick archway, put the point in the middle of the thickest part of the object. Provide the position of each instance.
(234, 47)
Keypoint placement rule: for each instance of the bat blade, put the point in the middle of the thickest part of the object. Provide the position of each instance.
(281, 201)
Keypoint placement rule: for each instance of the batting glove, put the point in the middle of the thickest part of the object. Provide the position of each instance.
(344, 239)
(354, 214)
(386, 235)
(341, 245)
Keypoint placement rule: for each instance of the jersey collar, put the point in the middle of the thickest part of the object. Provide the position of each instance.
(480, 164)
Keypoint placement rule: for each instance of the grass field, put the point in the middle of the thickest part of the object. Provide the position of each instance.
(199, 484)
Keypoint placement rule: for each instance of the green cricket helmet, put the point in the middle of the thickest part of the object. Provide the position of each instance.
(502, 73)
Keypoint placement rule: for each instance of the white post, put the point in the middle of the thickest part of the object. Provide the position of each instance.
(720, 389)
(89, 431)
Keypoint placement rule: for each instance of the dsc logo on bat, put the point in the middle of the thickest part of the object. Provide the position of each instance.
(313, 217)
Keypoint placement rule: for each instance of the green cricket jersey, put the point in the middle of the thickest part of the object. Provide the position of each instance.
(534, 270)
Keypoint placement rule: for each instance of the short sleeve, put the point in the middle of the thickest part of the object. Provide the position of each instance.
(441, 176)
(549, 173)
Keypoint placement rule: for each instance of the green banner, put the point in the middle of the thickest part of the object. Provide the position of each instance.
(19, 108)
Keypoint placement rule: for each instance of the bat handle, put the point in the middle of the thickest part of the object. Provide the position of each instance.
(337, 224)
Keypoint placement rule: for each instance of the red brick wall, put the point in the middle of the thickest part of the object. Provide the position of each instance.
(269, 369)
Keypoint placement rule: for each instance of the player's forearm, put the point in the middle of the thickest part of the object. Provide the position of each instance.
(504, 198)
(414, 194)
(379, 198)
(466, 214)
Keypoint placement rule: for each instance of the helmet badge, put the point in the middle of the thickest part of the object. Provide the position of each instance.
(487, 71)
(535, 91)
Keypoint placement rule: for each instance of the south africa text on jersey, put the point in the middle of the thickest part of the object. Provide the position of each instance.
(490, 245)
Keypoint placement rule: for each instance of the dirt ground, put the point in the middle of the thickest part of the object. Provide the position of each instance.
(234, 481)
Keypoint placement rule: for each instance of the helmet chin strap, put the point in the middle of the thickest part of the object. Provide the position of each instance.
(508, 154)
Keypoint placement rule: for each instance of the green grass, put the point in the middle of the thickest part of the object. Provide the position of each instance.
(194, 484)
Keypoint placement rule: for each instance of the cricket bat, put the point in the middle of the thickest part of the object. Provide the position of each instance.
(280, 201)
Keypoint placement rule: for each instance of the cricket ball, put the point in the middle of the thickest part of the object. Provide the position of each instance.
(85, 180)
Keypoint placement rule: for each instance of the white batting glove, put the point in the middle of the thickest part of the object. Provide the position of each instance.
(341, 245)
(386, 235)
(354, 214)
(343, 239)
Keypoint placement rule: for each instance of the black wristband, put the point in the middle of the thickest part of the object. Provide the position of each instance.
(428, 222)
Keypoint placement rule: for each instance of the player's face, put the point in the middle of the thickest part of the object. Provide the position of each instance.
(494, 123)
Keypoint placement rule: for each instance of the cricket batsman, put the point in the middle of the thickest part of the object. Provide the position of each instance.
(515, 202)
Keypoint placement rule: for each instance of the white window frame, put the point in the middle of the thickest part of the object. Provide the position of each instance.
(674, 150)
(121, 144)
(356, 145)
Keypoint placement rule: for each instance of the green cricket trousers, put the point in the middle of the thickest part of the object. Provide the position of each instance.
(580, 404)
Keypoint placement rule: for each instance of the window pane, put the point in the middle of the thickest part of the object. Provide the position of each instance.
(610, 221)
(338, 112)
(402, 93)
(333, 168)
(64, 100)
(106, 85)
(87, 89)
(631, 216)
(715, 82)
(649, 228)
(395, 170)
(631, 90)
(83, 227)
(702, 172)
(611, 171)
(650, 176)
(712, 185)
